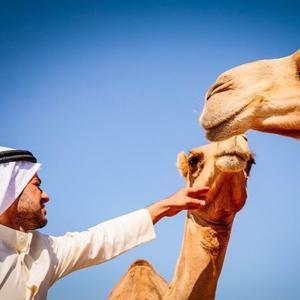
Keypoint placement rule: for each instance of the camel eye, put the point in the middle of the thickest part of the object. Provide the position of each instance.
(193, 161)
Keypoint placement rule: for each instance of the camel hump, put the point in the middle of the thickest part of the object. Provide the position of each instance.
(140, 263)
(141, 281)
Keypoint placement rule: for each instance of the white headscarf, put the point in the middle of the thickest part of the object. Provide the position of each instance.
(14, 176)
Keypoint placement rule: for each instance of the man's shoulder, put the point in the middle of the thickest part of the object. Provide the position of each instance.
(41, 238)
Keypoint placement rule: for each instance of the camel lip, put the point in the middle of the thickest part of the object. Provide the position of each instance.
(240, 155)
(221, 120)
(219, 131)
(210, 126)
(214, 129)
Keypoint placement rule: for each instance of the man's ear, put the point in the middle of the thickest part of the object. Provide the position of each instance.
(296, 57)
(182, 164)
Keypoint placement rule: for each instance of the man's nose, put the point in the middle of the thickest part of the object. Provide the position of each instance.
(45, 197)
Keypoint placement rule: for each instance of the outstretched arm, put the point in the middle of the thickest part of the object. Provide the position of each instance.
(78, 250)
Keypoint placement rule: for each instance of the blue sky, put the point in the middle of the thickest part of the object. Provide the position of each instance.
(106, 93)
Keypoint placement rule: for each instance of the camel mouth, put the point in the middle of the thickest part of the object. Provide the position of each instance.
(221, 120)
(218, 126)
(227, 124)
(219, 131)
(231, 162)
(240, 155)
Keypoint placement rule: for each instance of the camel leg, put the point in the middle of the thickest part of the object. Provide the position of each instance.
(141, 282)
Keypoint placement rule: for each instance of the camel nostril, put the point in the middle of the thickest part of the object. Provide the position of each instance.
(207, 97)
(219, 87)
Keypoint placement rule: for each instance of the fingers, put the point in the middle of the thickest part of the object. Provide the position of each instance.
(196, 202)
(197, 192)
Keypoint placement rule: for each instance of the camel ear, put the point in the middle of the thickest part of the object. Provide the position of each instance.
(182, 164)
(296, 57)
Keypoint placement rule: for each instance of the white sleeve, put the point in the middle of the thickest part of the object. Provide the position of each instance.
(78, 250)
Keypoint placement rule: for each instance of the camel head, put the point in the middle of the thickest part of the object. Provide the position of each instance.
(263, 95)
(224, 167)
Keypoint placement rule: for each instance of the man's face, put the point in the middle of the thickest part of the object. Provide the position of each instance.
(31, 212)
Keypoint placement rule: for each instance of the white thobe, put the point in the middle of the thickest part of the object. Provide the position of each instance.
(30, 263)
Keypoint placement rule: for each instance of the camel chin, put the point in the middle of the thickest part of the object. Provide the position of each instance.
(231, 163)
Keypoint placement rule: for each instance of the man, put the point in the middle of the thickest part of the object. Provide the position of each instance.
(31, 262)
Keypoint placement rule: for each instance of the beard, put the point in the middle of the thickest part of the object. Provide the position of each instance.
(31, 220)
(29, 214)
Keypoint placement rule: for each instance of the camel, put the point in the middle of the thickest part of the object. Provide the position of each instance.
(140, 282)
(263, 95)
(224, 167)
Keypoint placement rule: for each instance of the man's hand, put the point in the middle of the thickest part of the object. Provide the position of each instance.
(186, 198)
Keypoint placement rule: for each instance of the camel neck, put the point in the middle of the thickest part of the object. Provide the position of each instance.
(201, 260)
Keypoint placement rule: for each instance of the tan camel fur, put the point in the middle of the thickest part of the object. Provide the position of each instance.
(140, 282)
(224, 167)
(263, 95)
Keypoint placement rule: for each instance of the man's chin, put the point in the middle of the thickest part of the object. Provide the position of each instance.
(43, 223)
(40, 223)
